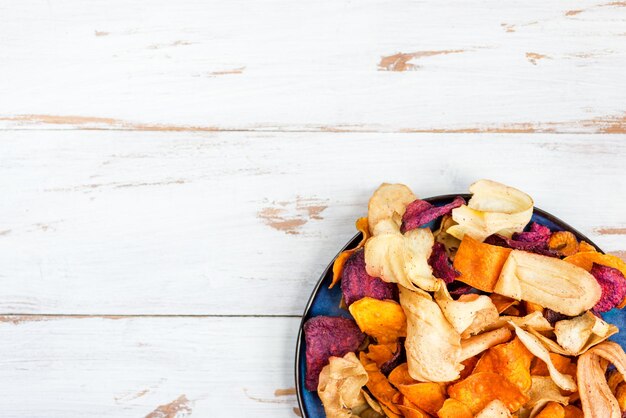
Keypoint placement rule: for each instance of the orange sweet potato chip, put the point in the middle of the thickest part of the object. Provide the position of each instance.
(587, 258)
(400, 376)
(479, 264)
(620, 395)
(510, 360)
(410, 410)
(563, 364)
(362, 226)
(552, 410)
(532, 307)
(382, 319)
(379, 386)
(483, 387)
(381, 353)
(428, 396)
(469, 365)
(454, 409)
(564, 242)
(502, 302)
(584, 246)
(572, 411)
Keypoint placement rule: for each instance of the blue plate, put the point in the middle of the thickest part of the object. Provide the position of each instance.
(325, 301)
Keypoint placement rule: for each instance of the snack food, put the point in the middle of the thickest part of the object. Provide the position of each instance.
(490, 315)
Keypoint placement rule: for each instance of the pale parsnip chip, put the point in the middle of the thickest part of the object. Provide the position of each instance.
(470, 314)
(494, 409)
(573, 334)
(542, 391)
(433, 347)
(340, 384)
(387, 200)
(534, 321)
(479, 343)
(402, 259)
(549, 282)
(493, 208)
(595, 394)
(533, 345)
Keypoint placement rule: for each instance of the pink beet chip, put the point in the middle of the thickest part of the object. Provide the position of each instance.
(357, 284)
(420, 212)
(613, 286)
(327, 336)
(538, 233)
(441, 265)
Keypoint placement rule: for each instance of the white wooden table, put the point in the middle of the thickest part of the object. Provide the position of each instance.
(175, 175)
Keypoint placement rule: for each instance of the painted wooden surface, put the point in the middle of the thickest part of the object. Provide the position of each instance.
(175, 176)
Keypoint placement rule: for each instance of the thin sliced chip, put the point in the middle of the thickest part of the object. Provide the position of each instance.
(502, 302)
(494, 409)
(549, 282)
(532, 247)
(440, 263)
(379, 386)
(586, 259)
(479, 389)
(450, 243)
(454, 409)
(511, 360)
(572, 411)
(542, 392)
(613, 286)
(573, 334)
(534, 321)
(493, 208)
(480, 264)
(584, 246)
(387, 200)
(340, 383)
(382, 354)
(340, 261)
(419, 212)
(562, 363)
(532, 307)
(469, 364)
(402, 259)
(533, 345)
(411, 412)
(564, 242)
(382, 319)
(552, 410)
(428, 396)
(357, 284)
(470, 314)
(375, 409)
(479, 343)
(620, 395)
(433, 347)
(400, 376)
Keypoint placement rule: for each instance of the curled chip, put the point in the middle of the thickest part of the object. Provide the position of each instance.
(493, 208)
(450, 243)
(388, 202)
(386, 356)
(340, 261)
(400, 376)
(547, 281)
(613, 286)
(542, 392)
(433, 347)
(532, 247)
(470, 314)
(440, 263)
(564, 242)
(536, 233)
(454, 409)
(579, 334)
(479, 389)
(357, 284)
(419, 212)
(502, 302)
(340, 384)
(428, 396)
(584, 246)
(511, 360)
(480, 264)
(401, 259)
(327, 336)
(572, 411)
(475, 345)
(382, 319)
(379, 386)
(552, 410)
(586, 259)
(562, 363)
(495, 408)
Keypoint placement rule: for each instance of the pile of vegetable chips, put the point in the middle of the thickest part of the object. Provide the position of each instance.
(490, 315)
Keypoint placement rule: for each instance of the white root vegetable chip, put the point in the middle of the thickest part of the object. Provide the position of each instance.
(542, 391)
(494, 409)
(549, 282)
(388, 202)
(493, 208)
(340, 386)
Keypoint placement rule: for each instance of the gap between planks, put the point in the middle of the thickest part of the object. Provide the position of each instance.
(17, 317)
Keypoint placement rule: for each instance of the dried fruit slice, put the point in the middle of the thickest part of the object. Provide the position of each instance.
(433, 347)
(401, 259)
(479, 389)
(382, 319)
(340, 261)
(493, 208)
(340, 384)
(470, 314)
(480, 264)
(387, 200)
(549, 282)
(420, 212)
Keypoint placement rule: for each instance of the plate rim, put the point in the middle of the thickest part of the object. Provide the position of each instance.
(433, 199)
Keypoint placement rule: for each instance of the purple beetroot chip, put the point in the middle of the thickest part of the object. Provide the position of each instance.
(420, 212)
(392, 363)
(537, 247)
(613, 286)
(357, 284)
(457, 288)
(441, 265)
(327, 336)
(538, 233)
(553, 317)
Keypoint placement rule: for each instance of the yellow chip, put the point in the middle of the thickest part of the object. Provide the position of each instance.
(382, 319)
(564, 242)
(552, 410)
(454, 409)
(586, 259)
(480, 264)
(428, 396)
(400, 376)
(479, 389)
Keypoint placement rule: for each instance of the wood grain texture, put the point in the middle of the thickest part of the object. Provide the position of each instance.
(148, 367)
(330, 65)
(120, 223)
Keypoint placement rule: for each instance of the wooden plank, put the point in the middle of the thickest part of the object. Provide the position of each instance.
(148, 367)
(244, 223)
(329, 65)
